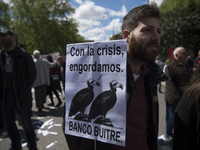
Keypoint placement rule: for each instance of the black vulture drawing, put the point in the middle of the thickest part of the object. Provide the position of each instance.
(103, 103)
(82, 99)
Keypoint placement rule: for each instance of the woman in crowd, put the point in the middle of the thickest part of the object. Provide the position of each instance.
(55, 83)
(187, 117)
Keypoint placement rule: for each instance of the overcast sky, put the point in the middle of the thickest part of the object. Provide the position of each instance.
(98, 19)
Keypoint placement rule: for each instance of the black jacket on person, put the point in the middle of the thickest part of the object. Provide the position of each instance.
(186, 126)
(154, 76)
(24, 74)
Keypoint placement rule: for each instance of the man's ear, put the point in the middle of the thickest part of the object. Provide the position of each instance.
(126, 35)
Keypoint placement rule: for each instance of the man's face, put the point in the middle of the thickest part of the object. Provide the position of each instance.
(145, 39)
(6, 40)
(181, 55)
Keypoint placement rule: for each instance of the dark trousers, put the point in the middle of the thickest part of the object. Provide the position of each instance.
(63, 83)
(170, 111)
(1, 120)
(57, 96)
(9, 111)
(159, 87)
(40, 95)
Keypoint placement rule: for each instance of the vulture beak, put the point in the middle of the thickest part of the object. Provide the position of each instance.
(98, 84)
(121, 86)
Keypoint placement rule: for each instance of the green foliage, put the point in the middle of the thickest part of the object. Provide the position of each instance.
(112, 37)
(154, 3)
(117, 36)
(183, 7)
(4, 15)
(180, 23)
(44, 25)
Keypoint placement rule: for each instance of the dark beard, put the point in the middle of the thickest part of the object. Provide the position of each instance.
(7, 44)
(136, 51)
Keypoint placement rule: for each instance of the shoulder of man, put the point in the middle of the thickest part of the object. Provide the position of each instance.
(153, 67)
(21, 50)
(172, 62)
(151, 64)
(46, 62)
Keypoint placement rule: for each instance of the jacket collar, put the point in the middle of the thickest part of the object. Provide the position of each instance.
(144, 69)
(177, 62)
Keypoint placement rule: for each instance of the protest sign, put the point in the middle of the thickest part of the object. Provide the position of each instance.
(95, 91)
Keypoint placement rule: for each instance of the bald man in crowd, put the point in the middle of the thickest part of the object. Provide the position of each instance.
(179, 75)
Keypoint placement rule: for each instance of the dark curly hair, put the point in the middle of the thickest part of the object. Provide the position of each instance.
(49, 58)
(130, 21)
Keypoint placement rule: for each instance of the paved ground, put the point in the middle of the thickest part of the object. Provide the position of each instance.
(47, 127)
(162, 143)
(49, 131)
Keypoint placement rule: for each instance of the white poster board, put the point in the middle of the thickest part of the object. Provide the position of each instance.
(95, 91)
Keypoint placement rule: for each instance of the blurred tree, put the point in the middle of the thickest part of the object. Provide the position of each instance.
(112, 37)
(154, 3)
(180, 23)
(44, 25)
(117, 36)
(4, 15)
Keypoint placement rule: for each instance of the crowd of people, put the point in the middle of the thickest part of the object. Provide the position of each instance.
(19, 74)
(182, 100)
(47, 81)
(141, 28)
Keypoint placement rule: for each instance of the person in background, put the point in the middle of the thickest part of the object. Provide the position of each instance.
(161, 58)
(42, 79)
(54, 83)
(187, 117)
(197, 61)
(168, 60)
(161, 65)
(62, 64)
(190, 61)
(18, 72)
(179, 75)
(142, 30)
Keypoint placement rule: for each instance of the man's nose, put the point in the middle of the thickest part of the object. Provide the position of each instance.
(156, 36)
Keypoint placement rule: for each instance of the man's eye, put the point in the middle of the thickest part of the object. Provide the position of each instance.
(147, 29)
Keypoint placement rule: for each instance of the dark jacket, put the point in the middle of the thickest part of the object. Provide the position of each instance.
(55, 79)
(154, 76)
(24, 74)
(179, 76)
(186, 126)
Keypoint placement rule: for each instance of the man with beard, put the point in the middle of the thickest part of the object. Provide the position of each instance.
(142, 30)
(18, 72)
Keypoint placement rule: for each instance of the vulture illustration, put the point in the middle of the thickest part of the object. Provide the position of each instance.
(103, 103)
(82, 99)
